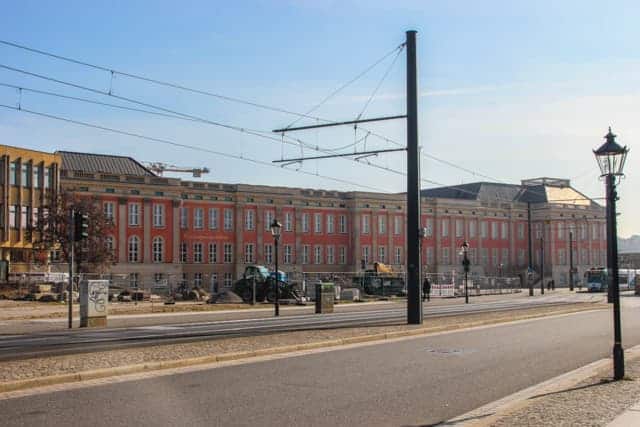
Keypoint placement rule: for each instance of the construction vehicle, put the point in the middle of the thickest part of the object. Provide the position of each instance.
(382, 280)
(159, 168)
(260, 278)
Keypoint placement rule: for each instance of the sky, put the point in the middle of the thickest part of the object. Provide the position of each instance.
(508, 90)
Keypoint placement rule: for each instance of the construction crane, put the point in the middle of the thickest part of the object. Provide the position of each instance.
(159, 168)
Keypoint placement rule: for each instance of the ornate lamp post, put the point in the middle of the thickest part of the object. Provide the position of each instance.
(464, 249)
(276, 228)
(611, 158)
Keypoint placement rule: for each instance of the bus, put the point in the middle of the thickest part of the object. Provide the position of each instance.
(597, 279)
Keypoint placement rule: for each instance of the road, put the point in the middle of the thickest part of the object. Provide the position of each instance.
(420, 381)
(84, 340)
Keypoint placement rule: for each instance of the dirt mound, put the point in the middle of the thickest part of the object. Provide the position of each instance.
(226, 297)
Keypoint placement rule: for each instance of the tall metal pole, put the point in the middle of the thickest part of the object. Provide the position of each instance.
(277, 302)
(542, 264)
(571, 260)
(72, 239)
(414, 305)
(530, 247)
(612, 242)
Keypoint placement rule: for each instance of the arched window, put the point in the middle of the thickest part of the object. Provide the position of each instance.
(157, 248)
(134, 249)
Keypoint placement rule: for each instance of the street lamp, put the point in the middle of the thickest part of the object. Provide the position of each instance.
(276, 227)
(611, 158)
(464, 249)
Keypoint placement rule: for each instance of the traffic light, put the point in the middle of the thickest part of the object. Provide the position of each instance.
(81, 226)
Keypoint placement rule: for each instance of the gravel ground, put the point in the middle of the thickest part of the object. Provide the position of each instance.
(594, 402)
(36, 367)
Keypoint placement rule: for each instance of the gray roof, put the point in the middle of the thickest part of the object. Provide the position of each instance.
(102, 163)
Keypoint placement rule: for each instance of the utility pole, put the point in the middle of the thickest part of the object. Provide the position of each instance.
(529, 244)
(72, 243)
(414, 304)
(542, 265)
(570, 260)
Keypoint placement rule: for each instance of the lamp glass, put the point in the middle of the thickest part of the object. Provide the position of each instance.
(276, 228)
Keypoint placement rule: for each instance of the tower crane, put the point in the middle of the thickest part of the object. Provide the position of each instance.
(159, 168)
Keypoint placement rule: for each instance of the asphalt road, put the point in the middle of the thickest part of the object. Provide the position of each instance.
(85, 340)
(416, 382)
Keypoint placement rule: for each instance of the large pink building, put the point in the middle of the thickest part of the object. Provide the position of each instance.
(205, 233)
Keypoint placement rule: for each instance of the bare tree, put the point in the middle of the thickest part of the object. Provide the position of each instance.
(51, 231)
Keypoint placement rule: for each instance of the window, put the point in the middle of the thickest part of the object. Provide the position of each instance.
(287, 254)
(13, 173)
(25, 179)
(317, 255)
(484, 253)
(330, 255)
(494, 257)
(213, 253)
(445, 256)
(35, 217)
(317, 222)
(134, 214)
(472, 228)
(305, 222)
(343, 255)
(505, 256)
(134, 249)
(107, 209)
(305, 254)
(382, 252)
(520, 231)
(583, 232)
(48, 177)
(248, 253)
(288, 221)
(183, 252)
(24, 215)
(268, 219)
(445, 227)
(594, 231)
(198, 218)
(538, 231)
(494, 230)
(158, 215)
(560, 230)
(429, 227)
(13, 216)
(365, 224)
(108, 242)
(459, 228)
(213, 219)
(397, 225)
(343, 224)
(562, 256)
(366, 254)
(330, 228)
(228, 219)
(398, 255)
(158, 277)
(228, 253)
(430, 255)
(228, 280)
(382, 225)
(37, 172)
(521, 257)
(214, 283)
(184, 219)
(197, 252)
(197, 280)
(249, 219)
(134, 280)
(157, 249)
(505, 231)
(268, 254)
(472, 255)
(483, 229)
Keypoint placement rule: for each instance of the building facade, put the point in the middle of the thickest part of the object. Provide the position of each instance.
(28, 179)
(205, 233)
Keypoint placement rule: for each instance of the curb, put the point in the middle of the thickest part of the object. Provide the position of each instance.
(486, 415)
(225, 357)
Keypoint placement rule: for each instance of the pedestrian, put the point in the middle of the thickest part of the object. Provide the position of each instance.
(426, 289)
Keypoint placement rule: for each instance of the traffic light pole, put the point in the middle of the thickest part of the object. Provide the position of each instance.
(72, 240)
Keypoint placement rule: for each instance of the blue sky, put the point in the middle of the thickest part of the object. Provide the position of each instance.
(510, 89)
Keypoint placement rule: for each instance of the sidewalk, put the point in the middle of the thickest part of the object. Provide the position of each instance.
(631, 417)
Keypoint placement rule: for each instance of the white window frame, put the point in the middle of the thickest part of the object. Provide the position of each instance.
(158, 215)
(213, 253)
(305, 222)
(249, 253)
(397, 225)
(330, 224)
(317, 223)
(287, 258)
(382, 252)
(228, 253)
(330, 255)
(382, 224)
(268, 219)
(288, 221)
(317, 255)
(398, 255)
(198, 218)
(157, 249)
(459, 228)
(197, 252)
(249, 219)
(228, 219)
(343, 224)
(366, 224)
(268, 253)
(134, 214)
(133, 249)
(184, 217)
(108, 209)
(305, 254)
(184, 252)
(342, 255)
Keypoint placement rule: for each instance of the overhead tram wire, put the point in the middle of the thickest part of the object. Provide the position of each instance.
(187, 146)
(112, 71)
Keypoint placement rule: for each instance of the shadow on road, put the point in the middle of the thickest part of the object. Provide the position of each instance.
(603, 381)
(451, 423)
